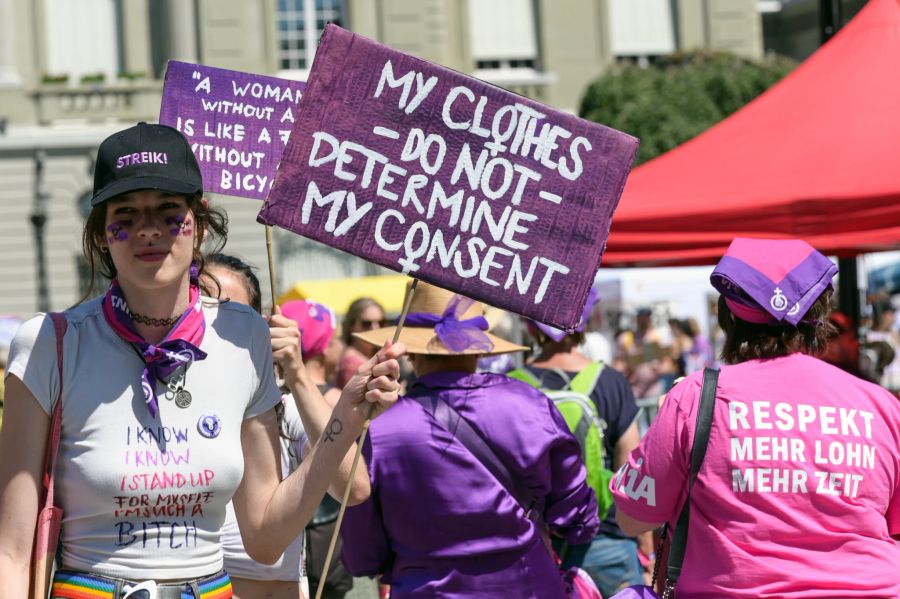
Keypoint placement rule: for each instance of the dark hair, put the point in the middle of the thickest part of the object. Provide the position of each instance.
(209, 221)
(355, 310)
(240, 268)
(680, 325)
(748, 341)
(565, 344)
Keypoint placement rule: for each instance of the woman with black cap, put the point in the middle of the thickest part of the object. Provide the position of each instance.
(167, 402)
(799, 491)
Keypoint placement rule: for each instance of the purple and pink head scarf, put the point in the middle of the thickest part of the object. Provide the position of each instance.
(769, 281)
(316, 323)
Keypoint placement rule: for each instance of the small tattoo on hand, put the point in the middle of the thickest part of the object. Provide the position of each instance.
(334, 429)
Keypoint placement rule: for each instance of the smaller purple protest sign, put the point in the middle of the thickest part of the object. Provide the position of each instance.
(450, 179)
(238, 124)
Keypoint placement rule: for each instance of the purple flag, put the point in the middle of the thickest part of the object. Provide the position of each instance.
(237, 123)
(449, 179)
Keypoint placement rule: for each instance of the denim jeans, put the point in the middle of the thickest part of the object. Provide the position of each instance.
(612, 562)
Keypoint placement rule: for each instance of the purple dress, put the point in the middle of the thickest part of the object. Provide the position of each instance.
(438, 524)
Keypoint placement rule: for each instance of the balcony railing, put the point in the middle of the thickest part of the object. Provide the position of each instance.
(97, 103)
(523, 81)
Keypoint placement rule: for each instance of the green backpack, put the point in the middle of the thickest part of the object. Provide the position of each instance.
(574, 403)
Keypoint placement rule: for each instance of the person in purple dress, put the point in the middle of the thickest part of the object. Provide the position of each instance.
(438, 523)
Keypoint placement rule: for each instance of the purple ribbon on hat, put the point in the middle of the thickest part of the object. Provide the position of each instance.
(456, 335)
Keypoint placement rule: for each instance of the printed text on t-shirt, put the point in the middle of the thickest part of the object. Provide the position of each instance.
(162, 489)
(825, 454)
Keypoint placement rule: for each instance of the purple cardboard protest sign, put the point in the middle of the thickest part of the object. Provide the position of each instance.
(237, 123)
(449, 179)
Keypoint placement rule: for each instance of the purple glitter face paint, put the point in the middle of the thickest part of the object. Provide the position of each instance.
(179, 224)
(117, 231)
(176, 224)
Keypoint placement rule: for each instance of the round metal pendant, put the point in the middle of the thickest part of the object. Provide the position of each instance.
(183, 398)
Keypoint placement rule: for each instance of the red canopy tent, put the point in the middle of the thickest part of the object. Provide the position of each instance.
(816, 157)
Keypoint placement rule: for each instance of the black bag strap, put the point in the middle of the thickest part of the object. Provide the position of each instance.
(698, 452)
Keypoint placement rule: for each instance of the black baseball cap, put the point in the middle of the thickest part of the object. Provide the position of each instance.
(145, 157)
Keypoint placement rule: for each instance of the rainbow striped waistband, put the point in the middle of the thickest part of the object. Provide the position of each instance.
(68, 584)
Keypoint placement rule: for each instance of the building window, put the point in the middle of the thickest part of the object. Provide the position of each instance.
(91, 28)
(517, 63)
(641, 28)
(300, 25)
(504, 34)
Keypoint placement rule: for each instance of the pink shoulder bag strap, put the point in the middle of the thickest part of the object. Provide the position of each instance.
(49, 518)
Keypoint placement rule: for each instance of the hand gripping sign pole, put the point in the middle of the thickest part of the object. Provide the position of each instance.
(359, 445)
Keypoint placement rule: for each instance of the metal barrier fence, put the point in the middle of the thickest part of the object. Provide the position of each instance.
(647, 409)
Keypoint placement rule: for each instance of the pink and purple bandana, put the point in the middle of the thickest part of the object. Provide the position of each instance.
(180, 347)
(767, 281)
(316, 324)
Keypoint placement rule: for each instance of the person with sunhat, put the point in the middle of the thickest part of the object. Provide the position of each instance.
(439, 522)
(799, 491)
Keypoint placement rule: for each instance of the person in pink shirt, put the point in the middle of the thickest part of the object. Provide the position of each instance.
(799, 492)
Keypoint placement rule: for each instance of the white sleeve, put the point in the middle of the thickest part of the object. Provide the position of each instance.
(32, 358)
(267, 394)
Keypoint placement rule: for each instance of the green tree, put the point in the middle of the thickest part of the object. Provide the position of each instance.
(678, 96)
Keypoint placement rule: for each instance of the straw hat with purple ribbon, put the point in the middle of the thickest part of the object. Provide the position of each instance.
(443, 323)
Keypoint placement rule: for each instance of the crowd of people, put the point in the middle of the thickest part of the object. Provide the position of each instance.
(204, 445)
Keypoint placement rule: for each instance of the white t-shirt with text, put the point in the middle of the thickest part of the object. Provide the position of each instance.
(145, 497)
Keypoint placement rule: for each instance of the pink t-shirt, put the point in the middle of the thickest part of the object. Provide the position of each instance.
(799, 494)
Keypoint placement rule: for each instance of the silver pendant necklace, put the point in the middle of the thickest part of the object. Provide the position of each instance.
(176, 389)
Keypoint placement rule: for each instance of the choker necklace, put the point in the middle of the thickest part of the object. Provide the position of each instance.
(154, 322)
